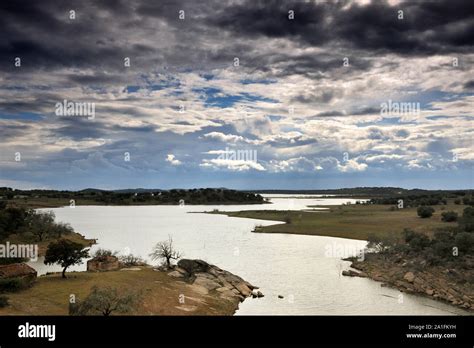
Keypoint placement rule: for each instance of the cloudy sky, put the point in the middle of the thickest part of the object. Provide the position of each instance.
(298, 85)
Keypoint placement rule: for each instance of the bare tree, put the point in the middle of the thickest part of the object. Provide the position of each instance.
(165, 250)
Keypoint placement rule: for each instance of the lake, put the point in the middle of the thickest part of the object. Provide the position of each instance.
(305, 270)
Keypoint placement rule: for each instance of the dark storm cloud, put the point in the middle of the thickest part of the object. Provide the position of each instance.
(13, 131)
(427, 27)
(42, 34)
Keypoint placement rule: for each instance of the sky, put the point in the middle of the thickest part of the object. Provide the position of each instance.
(237, 94)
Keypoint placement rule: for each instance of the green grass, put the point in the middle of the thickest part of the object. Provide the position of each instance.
(352, 221)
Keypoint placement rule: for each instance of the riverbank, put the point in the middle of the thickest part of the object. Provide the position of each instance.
(197, 290)
(414, 276)
(355, 221)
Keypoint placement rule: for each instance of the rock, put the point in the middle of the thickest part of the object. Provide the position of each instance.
(350, 273)
(103, 263)
(193, 266)
(176, 274)
(280, 296)
(259, 294)
(180, 270)
(243, 289)
(429, 292)
(409, 277)
(207, 283)
(204, 277)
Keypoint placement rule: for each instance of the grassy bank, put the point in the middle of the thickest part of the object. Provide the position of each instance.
(161, 293)
(351, 221)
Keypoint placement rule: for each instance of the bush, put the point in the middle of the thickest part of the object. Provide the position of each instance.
(466, 222)
(425, 211)
(3, 301)
(131, 260)
(105, 301)
(465, 241)
(449, 216)
(11, 285)
(457, 201)
(102, 254)
(416, 241)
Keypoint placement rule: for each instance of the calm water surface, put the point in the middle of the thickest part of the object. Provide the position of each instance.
(299, 268)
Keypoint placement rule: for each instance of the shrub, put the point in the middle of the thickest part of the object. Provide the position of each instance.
(3, 301)
(102, 254)
(105, 301)
(131, 260)
(465, 241)
(425, 211)
(416, 241)
(449, 216)
(288, 220)
(457, 201)
(11, 285)
(466, 222)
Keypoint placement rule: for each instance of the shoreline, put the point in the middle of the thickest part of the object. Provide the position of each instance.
(193, 287)
(443, 284)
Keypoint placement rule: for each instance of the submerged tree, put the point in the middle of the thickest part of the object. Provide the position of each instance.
(165, 251)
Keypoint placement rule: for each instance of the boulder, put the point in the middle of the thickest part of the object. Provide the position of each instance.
(409, 277)
(350, 273)
(176, 274)
(193, 266)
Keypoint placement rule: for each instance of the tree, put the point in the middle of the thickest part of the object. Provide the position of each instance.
(165, 250)
(449, 216)
(65, 253)
(41, 224)
(425, 211)
(105, 301)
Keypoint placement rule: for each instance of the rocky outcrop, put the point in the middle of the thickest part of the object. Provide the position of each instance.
(412, 276)
(209, 279)
(103, 263)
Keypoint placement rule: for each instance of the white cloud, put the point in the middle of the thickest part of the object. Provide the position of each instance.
(352, 166)
(171, 159)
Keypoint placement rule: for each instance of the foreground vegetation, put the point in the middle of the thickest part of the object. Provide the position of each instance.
(161, 294)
